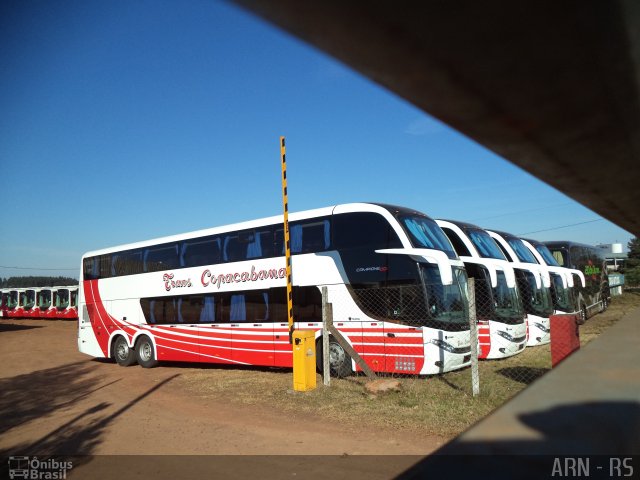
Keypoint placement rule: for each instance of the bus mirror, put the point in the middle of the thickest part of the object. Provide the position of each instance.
(431, 256)
(510, 275)
(489, 265)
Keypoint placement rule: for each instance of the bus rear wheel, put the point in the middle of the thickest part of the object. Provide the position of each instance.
(339, 360)
(123, 355)
(145, 353)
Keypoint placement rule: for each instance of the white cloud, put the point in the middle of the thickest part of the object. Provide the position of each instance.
(424, 126)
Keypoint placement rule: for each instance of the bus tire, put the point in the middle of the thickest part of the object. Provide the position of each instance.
(122, 353)
(339, 360)
(145, 353)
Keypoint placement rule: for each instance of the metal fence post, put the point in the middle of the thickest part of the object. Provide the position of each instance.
(473, 333)
(326, 374)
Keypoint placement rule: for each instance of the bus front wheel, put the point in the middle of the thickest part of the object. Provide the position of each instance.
(145, 354)
(123, 355)
(339, 360)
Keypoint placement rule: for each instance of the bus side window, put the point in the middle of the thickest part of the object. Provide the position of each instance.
(307, 304)
(238, 308)
(232, 249)
(127, 263)
(315, 237)
(358, 230)
(200, 252)
(163, 258)
(90, 268)
(257, 304)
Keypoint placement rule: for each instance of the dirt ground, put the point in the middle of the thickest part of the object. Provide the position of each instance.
(57, 401)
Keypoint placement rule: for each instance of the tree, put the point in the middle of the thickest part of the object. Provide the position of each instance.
(632, 263)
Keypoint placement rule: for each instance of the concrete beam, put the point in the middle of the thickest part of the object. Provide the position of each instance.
(551, 86)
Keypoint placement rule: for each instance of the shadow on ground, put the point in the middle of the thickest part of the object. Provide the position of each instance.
(12, 327)
(524, 375)
(596, 429)
(31, 397)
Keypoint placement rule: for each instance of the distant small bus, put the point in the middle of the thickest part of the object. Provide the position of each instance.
(64, 303)
(594, 297)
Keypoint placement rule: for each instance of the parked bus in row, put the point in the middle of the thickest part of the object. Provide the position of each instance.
(562, 279)
(534, 284)
(502, 331)
(4, 302)
(397, 288)
(593, 297)
(40, 302)
(64, 304)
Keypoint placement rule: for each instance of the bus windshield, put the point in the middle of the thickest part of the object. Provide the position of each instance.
(425, 233)
(445, 303)
(44, 299)
(506, 303)
(62, 299)
(522, 252)
(537, 301)
(547, 255)
(562, 296)
(485, 245)
(427, 303)
(29, 299)
(12, 301)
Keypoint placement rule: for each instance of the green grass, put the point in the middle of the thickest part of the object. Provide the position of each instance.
(439, 405)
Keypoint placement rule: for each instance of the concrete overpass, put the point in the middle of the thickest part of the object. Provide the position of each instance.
(551, 86)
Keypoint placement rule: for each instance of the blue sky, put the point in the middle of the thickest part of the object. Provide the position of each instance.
(122, 121)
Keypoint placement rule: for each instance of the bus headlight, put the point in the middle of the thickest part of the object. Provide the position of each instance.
(541, 327)
(506, 336)
(443, 345)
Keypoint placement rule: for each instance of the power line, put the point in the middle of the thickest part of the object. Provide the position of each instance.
(563, 226)
(35, 268)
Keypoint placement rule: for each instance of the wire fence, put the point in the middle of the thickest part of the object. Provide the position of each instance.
(499, 333)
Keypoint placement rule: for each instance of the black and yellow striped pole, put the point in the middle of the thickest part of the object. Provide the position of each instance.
(287, 248)
(302, 341)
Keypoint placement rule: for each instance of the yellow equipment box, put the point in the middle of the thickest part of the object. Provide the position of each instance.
(304, 360)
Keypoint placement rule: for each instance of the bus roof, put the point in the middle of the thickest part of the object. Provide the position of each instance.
(568, 243)
(293, 216)
(462, 225)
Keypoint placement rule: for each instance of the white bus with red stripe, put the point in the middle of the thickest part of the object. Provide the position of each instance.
(502, 330)
(397, 288)
(563, 279)
(534, 283)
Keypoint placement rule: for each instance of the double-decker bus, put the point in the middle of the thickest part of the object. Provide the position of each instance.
(502, 330)
(562, 279)
(594, 295)
(397, 288)
(534, 284)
